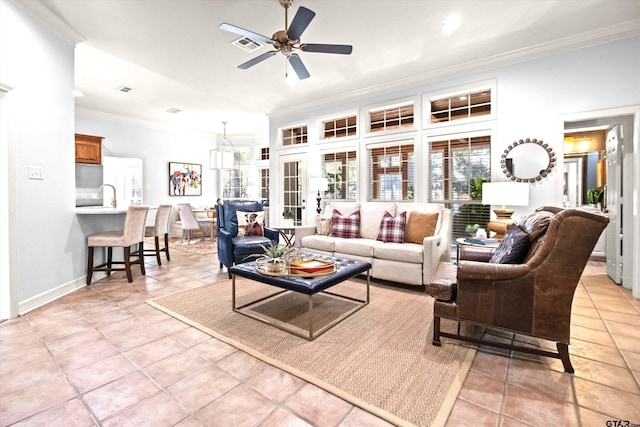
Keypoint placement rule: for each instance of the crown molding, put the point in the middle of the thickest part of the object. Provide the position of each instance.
(50, 20)
(554, 47)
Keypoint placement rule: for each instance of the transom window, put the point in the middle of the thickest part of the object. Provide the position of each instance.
(341, 127)
(264, 153)
(461, 106)
(391, 118)
(391, 172)
(294, 135)
(341, 171)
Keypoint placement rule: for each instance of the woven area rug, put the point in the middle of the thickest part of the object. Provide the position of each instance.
(380, 358)
(197, 246)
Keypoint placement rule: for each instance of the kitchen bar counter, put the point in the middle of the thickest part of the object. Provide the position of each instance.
(99, 210)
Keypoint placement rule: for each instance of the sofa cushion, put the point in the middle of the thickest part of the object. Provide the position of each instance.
(392, 228)
(513, 248)
(319, 242)
(371, 214)
(421, 225)
(250, 223)
(345, 208)
(359, 247)
(323, 226)
(401, 252)
(347, 227)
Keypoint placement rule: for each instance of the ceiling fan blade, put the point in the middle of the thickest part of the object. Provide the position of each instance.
(300, 23)
(257, 60)
(246, 33)
(343, 49)
(298, 67)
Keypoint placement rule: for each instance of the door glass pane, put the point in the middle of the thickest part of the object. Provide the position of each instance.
(292, 190)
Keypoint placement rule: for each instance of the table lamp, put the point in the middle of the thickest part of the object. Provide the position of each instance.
(319, 184)
(504, 194)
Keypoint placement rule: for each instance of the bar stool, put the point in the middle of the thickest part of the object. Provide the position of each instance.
(133, 233)
(189, 222)
(161, 228)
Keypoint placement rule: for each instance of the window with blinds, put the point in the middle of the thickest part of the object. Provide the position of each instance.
(457, 169)
(340, 127)
(294, 135)
(391, 118)
(391, 172)
(341, 171)
(460, 106)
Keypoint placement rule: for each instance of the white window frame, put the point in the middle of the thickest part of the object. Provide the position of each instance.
(338, 116)
(427, 98)
(342, 149)
(287, 127)
(390, 142)
(365, 119)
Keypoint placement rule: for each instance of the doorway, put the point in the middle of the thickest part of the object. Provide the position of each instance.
(292, 188)
(8, 292)
(609, 180)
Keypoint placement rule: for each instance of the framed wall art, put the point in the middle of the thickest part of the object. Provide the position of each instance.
(185, 179)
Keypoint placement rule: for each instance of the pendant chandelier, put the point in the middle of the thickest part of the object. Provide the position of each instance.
(223, 156)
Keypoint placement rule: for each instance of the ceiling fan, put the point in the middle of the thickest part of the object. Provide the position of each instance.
(288, 40)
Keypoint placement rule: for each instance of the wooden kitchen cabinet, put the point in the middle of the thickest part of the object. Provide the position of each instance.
(89, 149)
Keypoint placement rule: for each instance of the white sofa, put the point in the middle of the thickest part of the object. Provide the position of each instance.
(408, 263)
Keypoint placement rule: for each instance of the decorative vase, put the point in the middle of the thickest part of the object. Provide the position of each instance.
(271, 265)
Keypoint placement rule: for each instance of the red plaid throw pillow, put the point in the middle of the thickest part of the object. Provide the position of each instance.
(347, 227)
(392, 229)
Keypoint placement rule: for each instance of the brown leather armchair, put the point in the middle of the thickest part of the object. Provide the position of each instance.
(531, 298)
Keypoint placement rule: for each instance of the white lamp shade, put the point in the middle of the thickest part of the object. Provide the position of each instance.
(319, 184)
(505, 193)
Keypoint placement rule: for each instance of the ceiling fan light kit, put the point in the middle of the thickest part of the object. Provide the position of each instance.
(287, 41)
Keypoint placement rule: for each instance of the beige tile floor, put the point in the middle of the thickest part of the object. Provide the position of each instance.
(101, 356)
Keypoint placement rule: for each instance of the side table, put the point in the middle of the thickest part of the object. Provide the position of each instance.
(288, 235)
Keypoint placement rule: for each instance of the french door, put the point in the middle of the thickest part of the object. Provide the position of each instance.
(292, 187)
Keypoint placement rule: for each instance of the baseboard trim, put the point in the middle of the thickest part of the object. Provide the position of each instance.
(37, 301)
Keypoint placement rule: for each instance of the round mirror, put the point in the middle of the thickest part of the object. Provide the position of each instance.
(527, 160)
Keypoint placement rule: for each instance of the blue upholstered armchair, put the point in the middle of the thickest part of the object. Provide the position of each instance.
(234, 249)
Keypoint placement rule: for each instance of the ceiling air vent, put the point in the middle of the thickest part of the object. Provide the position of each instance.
(247, 44)
(173, 110)
(125, 89)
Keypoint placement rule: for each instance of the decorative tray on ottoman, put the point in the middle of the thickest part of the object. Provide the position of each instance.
(304, 268)
(312, 266)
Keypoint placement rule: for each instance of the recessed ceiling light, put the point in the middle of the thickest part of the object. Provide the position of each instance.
(78, 94)
(451, 24)
(174, 110)
(125, 89)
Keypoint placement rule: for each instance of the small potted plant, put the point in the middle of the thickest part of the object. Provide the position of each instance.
(472, 229)
(287, 214)
(272, 260)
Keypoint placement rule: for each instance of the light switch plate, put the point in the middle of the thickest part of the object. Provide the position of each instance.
(36, 172)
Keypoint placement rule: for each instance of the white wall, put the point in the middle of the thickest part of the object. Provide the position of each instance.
(531, 97)
(38, 65)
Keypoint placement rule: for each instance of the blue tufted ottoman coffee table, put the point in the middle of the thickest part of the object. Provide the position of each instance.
(345, 269)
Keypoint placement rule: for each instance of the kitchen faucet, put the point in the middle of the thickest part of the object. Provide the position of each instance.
(113, 202)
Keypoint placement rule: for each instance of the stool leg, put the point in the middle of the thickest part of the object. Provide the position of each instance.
(166, 246)
(89, 264)
(109, 259)
(141, 258)
(127, 263)
(157, 240)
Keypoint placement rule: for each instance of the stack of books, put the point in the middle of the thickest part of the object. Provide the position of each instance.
(478, 241)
